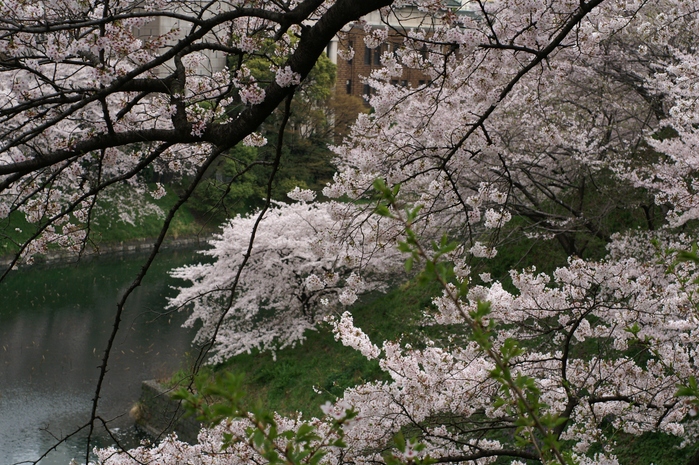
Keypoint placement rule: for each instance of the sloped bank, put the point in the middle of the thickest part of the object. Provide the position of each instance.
(137, 246)
(157, 414)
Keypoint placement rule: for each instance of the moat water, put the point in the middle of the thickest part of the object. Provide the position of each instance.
(54, 325)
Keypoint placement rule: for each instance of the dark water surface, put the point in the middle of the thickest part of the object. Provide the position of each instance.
(54, 325)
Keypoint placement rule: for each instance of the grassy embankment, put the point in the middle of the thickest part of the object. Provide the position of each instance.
(107, 228)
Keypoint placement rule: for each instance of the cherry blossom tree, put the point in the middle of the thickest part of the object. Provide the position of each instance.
(297, 271)
(543, 141)
(560, 114)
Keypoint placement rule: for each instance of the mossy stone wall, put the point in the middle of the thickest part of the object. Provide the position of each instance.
(158, 414)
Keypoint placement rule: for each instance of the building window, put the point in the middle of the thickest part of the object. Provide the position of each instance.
(348, 86)
(394, 82)
(423, 52)
(377, 56)
(404, 83)
(367, 56)
(366, 92)
(421, 82)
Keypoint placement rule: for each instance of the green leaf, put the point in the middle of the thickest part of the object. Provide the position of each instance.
(412, 214)
(634, 329)
(399, 440)
(409, 264)
(380, 185)
(382, 210)
(304, 429)
(689, 389)
(463, 288)
(404, 247)
(257, 438)
(429, 268)
(315, 459)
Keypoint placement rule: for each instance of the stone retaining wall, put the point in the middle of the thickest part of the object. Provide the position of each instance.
(157, 414)
(137, 246)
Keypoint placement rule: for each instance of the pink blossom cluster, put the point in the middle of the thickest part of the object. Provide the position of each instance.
(285, 77)
(301, 267)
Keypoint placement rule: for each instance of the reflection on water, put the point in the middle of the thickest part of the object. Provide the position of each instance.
(54, 325)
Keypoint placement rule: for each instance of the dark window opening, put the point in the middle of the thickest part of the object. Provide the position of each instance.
(348, 86)
(377, 56)
(367, 56)
(423, 52)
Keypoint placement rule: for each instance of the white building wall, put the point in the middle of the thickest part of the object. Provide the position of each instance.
(161, 25)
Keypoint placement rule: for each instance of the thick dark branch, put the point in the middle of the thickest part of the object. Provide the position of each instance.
(102, 141)
(310, 47)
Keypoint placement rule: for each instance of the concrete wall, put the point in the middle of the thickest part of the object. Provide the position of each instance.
(157, 414)
(159, 26)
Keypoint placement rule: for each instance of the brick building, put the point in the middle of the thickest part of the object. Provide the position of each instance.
(351, 73)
